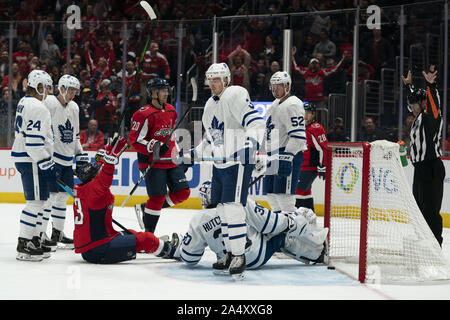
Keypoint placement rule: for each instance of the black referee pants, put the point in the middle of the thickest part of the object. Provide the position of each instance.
(428, 190)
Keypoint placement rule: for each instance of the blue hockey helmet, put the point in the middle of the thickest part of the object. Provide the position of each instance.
(156, 84)
(309, 106)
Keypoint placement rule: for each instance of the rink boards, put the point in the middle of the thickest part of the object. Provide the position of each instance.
(126, 176)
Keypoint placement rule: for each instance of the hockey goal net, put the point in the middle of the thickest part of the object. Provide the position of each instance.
(377, 232)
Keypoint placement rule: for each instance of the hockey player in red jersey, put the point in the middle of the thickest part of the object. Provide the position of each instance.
(94, 235)
(151, 125)
(314, 157)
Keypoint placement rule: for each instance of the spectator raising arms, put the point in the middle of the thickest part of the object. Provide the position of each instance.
(239, 62)
(314, 78)
(155, 65)
(105, 111)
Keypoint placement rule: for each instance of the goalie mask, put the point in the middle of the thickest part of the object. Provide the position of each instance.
(205, 193)
(87, 172)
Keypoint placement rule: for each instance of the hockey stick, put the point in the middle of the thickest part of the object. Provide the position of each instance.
(155, 156)
(148, 9)
(70, 192)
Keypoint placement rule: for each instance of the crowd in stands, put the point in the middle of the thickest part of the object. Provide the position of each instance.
(321, 55)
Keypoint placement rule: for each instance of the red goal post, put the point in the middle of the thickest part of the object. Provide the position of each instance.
(377, 232)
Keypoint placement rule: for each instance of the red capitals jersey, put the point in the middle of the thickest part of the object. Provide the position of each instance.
(157, 66)
(314, 80)
(92, 207)
(151, 123)
(106, 113)
(129, 78)
(316, 139)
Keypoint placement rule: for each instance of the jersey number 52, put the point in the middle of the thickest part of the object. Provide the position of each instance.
(297, 121)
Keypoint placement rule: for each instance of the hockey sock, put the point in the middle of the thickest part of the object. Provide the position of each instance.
(148, 242)
(47, 211)
(59, 210)
(306, 203)
(177, 197)
(152, 212)
(223, 226)
(237, 227)
(28, 219)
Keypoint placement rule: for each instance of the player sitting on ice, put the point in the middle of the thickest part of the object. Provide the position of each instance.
(295, 233)
(94, 235)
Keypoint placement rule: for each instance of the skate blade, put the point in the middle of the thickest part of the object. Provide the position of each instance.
(64, 246)
(164, 238)
(46, 255)
(238, 276)
(28, 257)
(221, 272)
(139, 216)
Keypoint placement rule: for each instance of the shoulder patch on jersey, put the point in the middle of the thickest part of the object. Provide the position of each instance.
(315, 125)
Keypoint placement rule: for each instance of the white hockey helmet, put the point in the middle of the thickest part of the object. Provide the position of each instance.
(219, 70)
(67, 81)
(37, 77)
(280, 77)
(205, 193)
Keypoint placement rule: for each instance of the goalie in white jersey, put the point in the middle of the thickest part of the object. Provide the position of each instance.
(32, 152)
(295, 234)
(285, 141)
(234, 132)
(66, 129)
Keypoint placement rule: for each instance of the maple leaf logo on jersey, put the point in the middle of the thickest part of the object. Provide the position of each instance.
(269, 127)
(217, 131)
(66, 132)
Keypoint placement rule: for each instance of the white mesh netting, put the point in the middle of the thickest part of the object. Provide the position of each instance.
(400, 245)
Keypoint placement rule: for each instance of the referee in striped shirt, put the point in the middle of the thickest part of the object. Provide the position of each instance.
(426, 149)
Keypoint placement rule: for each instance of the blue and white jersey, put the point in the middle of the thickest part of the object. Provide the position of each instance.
(204, 231)
(33, 134)
(229, 121)
(66, 129)
(285, 126)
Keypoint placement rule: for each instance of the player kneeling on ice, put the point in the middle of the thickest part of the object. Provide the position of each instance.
(94, 235)
(295, 233)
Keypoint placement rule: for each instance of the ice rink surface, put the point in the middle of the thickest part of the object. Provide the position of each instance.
(65, 275)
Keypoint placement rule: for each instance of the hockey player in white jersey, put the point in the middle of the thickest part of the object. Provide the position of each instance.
(234, 133)
(285, 141)
(295, 234)
(32, 152)
(65, 123)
